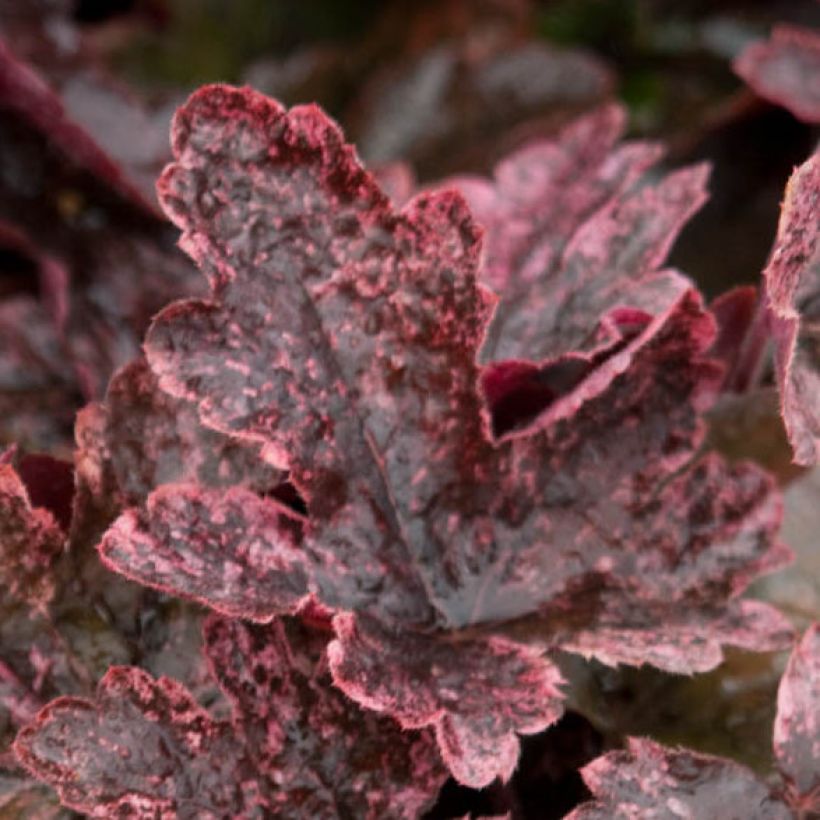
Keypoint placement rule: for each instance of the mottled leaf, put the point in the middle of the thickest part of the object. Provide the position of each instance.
(152, 438)
(30, 541)
(797, 727)
(142, 748)
(478, 694)
(792, 281)
(785, 69)
(232, 549)
(651, 782)
(327, 757)
(342, 336)
(575, 235)
(684, 642)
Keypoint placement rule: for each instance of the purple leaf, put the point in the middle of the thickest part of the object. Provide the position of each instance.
(797, 726)
(30, 541)
(684, 642)
(152, 438)
(575, 237)
(478, 694)
(792, 281)
(785, 70)
(323, 752)
(296, 747)
(142, 748)
(651, 782)
(341, 335)
(232, 549)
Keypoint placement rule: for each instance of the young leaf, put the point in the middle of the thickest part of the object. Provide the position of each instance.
(785, 70)
(797, 726)
(792, 281)
(324, 753)
(655, 783)
(30, 541)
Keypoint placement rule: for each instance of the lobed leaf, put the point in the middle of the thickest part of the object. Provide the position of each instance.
(575, 235)
(152, 438)
(652, 782)
(326, 756)
(785, 69)
(477, 694)
(684, 642)
(792, 281)
(142, 748)
(232, 549)
(342, 335)
(797, 726)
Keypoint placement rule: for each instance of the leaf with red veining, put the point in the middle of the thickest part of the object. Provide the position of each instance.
(142, 748)
(324, 753)
(477, 693)
(152, 438)
(652, 782)
(342, 335)
(785, 69)
(228, 548)
(797, 726)
(792, 281)
(30, 541)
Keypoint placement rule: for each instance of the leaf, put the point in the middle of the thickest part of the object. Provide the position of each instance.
(326, 756)
(231, 549)
(797, 726)
(684, 642)
(792, 281)
(152, 439)
(785, 69)
(575, 237)
(30, 541)
(142, 748)
(296, 747)
(342, 336)
(652, 782)
(477, 694)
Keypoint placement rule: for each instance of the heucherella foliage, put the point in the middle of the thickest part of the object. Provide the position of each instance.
(458, 521)
(342, 337)
(650, 781)
(294, 748)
